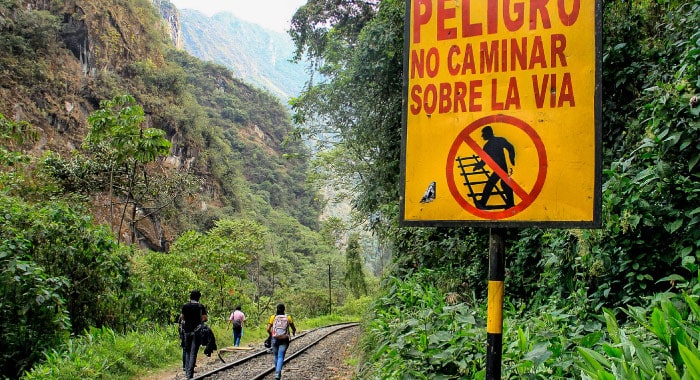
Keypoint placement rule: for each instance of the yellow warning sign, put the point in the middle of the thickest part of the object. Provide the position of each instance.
(502, 113)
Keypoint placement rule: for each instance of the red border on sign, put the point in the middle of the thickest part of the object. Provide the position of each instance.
(463, 138)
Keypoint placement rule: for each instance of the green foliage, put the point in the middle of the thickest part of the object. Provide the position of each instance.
(650, 205)
(249, 158)
(31, 32)
(650, 197)
(117, 126)
(308, 302)
(14, 170)
(104, 354)
(650, 200)
(159, 81)
(213, 263)
(66, 243)
(117, 150)
(13, 135)
(354, 274)
(356, 308)
(34, 315)
(355, 111)
(412, 333)
(539, 341)
(161, 286)
(309, 26)
(73, 274)
(661, 342)
(58, 271)
(460, 253)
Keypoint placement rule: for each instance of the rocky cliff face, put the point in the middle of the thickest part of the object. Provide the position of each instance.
(60, 59)
(257, 55)
(54, 56)
(172, 16)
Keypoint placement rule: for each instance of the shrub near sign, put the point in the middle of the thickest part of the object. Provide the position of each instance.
(501, 113)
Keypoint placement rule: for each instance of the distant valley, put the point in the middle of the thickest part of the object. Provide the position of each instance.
(259, 56)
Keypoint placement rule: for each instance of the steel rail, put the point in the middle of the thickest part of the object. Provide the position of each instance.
(261, 375)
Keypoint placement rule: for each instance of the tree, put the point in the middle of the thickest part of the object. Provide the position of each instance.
(118, 153)
(162, 283)
(219, 257)
(354, 273)
(312, 35)
(115, 129)
(33, 311)
(232, 245)
(58, 269)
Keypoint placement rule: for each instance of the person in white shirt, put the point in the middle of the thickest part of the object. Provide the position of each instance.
(238, 320)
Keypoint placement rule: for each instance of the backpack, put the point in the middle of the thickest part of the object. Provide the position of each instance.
(207, 339)
(181, 330)
(237, 324)
(280, 327)
(204, 334)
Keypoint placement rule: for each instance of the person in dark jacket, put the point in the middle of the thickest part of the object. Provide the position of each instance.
(194, 314)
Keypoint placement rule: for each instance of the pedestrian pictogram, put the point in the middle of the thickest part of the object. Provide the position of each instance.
(482, 181)
(482, 184)
(494, 150)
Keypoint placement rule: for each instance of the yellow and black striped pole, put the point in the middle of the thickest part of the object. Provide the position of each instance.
(494, 323)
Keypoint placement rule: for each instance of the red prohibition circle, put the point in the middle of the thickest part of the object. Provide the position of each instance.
(462, 138)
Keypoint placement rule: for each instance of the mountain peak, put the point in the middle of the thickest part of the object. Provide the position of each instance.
(255, 54)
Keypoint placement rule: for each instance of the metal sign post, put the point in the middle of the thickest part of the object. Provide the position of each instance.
(494, 323)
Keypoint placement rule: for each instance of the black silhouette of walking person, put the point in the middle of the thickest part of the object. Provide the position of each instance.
(495, 148)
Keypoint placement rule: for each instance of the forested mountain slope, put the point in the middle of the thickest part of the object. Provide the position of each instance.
(61, 59)
(256, 55)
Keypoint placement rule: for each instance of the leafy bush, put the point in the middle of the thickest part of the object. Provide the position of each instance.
(356, 307)
(164, 282)
(58, 270)
(103, 354)
(33, 314)
(413, 333)
(661, 342)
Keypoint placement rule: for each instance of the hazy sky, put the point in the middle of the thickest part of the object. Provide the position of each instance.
(272, 14)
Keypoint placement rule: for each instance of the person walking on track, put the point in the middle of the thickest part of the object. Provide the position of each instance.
(238, 319)
(194, 314)
(278, 326)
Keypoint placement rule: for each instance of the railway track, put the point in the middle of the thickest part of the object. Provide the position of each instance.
(258, 365)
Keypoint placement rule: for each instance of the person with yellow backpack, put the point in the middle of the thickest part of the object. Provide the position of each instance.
(278, 327)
